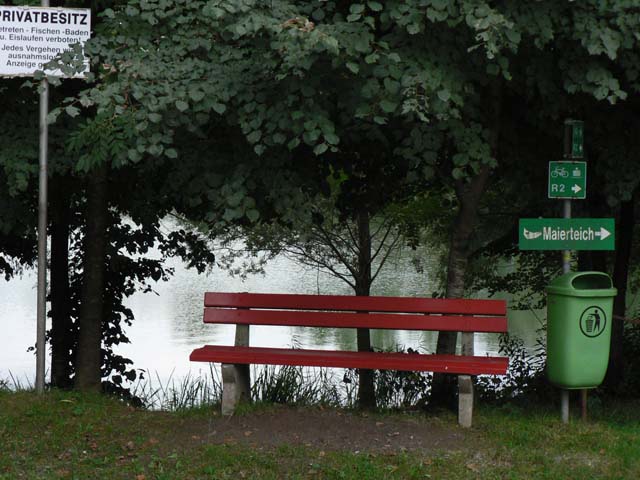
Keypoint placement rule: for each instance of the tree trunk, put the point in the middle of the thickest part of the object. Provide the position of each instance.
(366, 390)
(89, 358)
(61, 326)
(469, 194)
(624, 237)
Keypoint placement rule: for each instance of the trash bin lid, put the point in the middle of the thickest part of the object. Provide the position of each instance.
(583, 284)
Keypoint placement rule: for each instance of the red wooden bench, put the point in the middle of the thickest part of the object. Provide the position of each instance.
(335, 311)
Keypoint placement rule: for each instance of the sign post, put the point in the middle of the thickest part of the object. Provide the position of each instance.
(41, 312)
(568, 181)
(29, 38)
(573, 148)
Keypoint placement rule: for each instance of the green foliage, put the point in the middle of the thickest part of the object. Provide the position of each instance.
(523, 275)
(295, 386)
(396, 389)
(185, 80)
(525, 380)
(189, 393)
(416, 83)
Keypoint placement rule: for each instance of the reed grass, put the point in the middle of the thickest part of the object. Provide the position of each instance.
(306, 386)
(176, 394)
(16, 384)
(297, 386)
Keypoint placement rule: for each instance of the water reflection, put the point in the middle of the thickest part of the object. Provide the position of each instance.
(168, 324)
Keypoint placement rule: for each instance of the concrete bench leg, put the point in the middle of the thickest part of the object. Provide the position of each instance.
(236, 379)
(236, 386)
(465, 386)
(465, 401)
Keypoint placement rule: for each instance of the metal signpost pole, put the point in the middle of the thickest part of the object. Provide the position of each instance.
(566, 258)
(37, 51)
(42, 234)
(566, 268)
(573, 149)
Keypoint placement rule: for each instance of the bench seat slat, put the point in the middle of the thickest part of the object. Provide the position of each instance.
(354, 303)
(456, 323)
(455, 364)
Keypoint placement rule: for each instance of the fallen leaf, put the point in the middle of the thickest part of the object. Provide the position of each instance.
(473, 467)
(248, 433)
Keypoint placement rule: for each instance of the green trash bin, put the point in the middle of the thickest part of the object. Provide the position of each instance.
(579, 309)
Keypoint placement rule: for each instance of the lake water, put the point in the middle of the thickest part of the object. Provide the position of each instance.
(168, 325)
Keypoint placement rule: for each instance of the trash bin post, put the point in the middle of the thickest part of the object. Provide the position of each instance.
(566, 268)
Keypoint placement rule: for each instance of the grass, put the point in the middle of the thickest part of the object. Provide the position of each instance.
(606, 446)
(270, 384)
(188, 392)
(73, 436)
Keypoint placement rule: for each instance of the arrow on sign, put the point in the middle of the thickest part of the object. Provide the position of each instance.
(576, 188)
(603, 233)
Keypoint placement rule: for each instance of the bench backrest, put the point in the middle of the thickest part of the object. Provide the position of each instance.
(341, 311)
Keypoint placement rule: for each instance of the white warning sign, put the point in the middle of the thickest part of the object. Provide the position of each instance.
(32, 36)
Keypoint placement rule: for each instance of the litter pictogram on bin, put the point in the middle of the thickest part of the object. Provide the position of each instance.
(593, 321)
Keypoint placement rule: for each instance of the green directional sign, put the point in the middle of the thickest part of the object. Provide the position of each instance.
(567, 234)
(568, 180)
(577, 138)
(574, 138)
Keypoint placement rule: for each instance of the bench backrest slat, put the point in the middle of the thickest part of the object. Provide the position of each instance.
(395, 321)
(356, 304)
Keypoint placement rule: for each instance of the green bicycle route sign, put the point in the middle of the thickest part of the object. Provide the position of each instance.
(567, 234)
(568, 180)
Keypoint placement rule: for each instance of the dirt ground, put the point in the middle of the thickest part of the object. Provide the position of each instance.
(331, 430)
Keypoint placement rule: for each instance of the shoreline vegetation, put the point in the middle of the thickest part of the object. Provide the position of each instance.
(305, 386)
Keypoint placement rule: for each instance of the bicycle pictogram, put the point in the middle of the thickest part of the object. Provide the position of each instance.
(559, 172)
